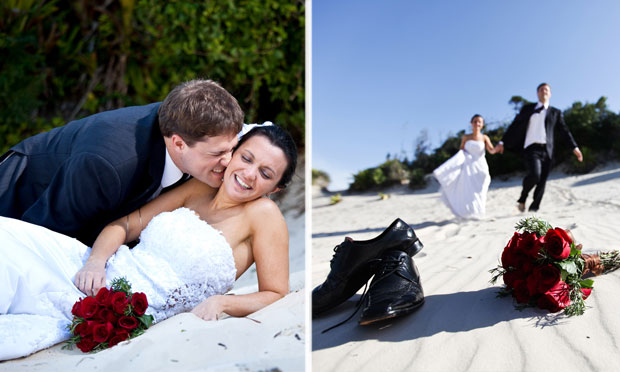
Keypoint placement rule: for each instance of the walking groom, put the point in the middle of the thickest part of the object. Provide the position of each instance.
(532, 132)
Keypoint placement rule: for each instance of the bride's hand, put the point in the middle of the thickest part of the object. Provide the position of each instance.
(91, 277)
(209, 309)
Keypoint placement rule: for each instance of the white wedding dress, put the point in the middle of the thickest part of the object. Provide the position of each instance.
(464, 180)
(180, 261)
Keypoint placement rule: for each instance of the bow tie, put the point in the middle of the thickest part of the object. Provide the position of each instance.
(538, 110)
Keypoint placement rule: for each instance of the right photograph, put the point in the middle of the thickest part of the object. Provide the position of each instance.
(465, 182)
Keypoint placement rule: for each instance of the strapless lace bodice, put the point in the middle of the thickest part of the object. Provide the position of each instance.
(180, 261)
(475, 148)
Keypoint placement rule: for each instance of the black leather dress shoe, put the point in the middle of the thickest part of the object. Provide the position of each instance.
(350, 266)
(395, 290)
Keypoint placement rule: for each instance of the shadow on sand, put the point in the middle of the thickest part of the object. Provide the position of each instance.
(601, 178)
(452, 312)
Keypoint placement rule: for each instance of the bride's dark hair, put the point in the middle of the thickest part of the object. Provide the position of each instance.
(280, 138)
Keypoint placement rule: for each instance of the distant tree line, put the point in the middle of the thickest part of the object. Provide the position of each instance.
(63, 60)
(595, 128)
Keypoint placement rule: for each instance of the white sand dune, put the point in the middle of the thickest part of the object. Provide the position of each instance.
(463, 326)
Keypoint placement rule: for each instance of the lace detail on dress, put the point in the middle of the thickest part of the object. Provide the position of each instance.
(179, 262)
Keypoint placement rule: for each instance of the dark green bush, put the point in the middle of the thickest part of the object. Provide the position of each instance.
(417, 179)
(63, 60)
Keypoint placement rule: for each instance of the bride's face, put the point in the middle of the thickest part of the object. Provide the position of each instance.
(254, 170)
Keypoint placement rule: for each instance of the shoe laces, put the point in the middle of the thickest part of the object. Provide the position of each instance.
(387, 266)
(337, 250)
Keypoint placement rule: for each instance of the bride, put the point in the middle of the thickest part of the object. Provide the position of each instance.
(195, 241)
(465, 178)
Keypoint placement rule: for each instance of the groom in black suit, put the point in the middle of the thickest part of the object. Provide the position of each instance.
(532, 133)
(78, 178)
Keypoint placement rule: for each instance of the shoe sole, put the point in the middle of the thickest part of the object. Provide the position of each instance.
(392, 315)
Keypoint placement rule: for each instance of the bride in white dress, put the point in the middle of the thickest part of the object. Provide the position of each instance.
(464, 178)
(195, 241)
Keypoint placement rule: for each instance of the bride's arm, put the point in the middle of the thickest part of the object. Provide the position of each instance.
(270, 251)
(489, 145)
(91, 276)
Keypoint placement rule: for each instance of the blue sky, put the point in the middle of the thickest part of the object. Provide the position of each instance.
(383, 71)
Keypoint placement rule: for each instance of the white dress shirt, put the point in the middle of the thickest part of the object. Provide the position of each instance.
(536, 132)
(170, 176)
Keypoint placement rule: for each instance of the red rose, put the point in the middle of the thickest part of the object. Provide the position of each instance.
(508, 258)
(510, 277)
(557, 243)
(513, 242)
(543, 278)
(101, 332)
(139, 303)
(84, 329)
(106, 315)
(89, 307)
(556, 298)
(529, 245)
(76, 310)
(86, 344)
(102, 296)
(119, 302)
(521, 292)
(585, 292)
(128, 322)
(118, 335)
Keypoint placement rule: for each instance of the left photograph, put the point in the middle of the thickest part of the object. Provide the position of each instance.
(152, 207)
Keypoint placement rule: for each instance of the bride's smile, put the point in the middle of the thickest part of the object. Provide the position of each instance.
(254, 170)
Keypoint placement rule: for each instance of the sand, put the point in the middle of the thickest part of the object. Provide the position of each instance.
(463, 326)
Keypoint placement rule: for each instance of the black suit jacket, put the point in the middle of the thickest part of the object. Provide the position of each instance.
(78, 178)
(514, 138)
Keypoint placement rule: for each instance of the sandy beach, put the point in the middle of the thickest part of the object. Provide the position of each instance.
(463, 326)
(271, 339)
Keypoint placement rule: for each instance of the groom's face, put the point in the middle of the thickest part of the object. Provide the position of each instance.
(206, 160)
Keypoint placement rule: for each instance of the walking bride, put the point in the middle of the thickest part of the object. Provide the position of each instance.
(465, 178)
(195, 241)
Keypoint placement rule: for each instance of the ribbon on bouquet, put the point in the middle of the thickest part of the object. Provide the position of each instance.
(248, 127)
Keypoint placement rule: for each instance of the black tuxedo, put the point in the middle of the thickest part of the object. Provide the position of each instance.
(537, 158)
(78, 178)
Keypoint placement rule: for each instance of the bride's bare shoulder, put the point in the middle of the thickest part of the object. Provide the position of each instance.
(263, 209)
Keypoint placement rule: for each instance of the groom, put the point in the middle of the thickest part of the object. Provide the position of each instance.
(532, 133)
(78, 178)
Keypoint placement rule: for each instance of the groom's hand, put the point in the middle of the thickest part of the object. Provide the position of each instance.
(578, 154)
(91, 277)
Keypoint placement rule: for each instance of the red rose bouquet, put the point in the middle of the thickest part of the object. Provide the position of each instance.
(112, 316)
(543, 267)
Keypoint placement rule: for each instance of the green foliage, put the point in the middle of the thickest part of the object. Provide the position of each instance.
(588, 163)
(319, 176)
(392, 172)
(335, 199)
(65, 59)
(417, 180)
(533, 225)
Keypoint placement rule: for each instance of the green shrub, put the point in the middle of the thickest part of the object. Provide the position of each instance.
(69, 59)
(588, 163)
(417, 179)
